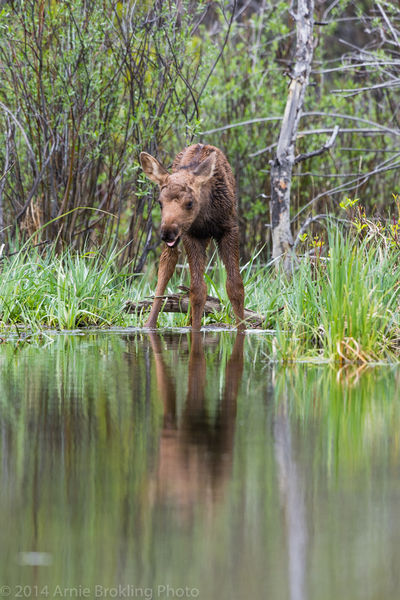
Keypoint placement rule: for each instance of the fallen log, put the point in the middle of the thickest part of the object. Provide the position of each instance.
(179, 303)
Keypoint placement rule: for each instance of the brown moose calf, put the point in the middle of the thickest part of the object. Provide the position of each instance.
(197, 203)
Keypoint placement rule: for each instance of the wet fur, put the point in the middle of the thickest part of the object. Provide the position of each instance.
(215, 216)
(218, 201)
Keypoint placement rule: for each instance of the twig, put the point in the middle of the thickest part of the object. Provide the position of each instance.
(348, 185)
(323, 149)
(3, 257)
(348, 92)
(35, 184)
(363, 130)
(28, 145)
(240, 124)
(310, 220)
(203, 87)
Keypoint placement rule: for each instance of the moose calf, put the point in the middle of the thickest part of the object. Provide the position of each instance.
(197, 203)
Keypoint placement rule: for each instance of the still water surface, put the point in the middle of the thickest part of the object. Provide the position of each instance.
(178, 466)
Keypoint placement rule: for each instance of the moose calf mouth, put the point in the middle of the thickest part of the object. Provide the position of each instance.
(174, 243)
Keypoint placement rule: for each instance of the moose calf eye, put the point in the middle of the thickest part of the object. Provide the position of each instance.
(189, 205)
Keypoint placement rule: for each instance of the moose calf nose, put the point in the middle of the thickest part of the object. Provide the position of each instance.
(169, 234)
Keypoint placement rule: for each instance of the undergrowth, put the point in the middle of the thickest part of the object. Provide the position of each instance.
(342, 307)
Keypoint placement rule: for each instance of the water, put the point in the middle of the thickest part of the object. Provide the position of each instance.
(171, 466)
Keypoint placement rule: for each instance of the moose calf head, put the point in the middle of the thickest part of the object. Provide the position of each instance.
(180, 194)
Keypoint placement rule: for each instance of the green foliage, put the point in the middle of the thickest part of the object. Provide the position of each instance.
(341, 304)
(86, 87)
(66, 291)
(341, 307)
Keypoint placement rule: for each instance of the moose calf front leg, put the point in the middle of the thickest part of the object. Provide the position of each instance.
(229, 250)
(168, 260)
(196, 253)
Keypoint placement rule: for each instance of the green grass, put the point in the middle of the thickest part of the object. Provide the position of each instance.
(342, 308)
(64, 292)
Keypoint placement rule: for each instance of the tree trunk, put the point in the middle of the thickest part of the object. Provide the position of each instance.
(282, 165)
(7, 168)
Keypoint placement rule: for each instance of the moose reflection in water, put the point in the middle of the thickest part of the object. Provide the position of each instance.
(125, 458)
(195, 452)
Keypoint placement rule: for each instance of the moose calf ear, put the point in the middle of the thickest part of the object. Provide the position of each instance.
(153, 169)
(206, 168)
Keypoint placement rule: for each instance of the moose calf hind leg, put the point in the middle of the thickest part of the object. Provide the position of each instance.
(235, 290)
(229, 250)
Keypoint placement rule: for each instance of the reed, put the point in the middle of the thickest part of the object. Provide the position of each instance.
(342, 307)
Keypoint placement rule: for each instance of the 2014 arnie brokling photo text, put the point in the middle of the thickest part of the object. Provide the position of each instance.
(100, 591)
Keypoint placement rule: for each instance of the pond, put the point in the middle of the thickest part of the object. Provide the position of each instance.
(171, 465)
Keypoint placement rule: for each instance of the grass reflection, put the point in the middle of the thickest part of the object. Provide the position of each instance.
(187, 459)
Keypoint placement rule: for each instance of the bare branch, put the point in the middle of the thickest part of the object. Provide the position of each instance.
(349, 185)
(36, 184)
(28, 145)
(7, 168)
(349, 92)
(311, 220)
(203, 87)
(363, 130)
(323, 149)
(241, 124)
(388, 23)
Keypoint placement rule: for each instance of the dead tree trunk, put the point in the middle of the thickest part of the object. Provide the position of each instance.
(7, 168)
(282, 165)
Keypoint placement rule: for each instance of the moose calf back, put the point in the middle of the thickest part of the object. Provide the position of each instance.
(218, 208)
